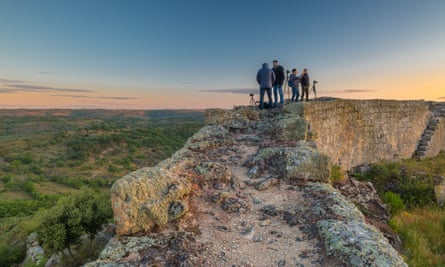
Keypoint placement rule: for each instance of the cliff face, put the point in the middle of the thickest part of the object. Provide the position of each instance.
(354, 132)
(247, 186)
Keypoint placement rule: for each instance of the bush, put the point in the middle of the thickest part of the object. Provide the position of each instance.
(394, 202)
(336, 173)
(73, 216)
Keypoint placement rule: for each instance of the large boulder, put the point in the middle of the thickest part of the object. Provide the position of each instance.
(302, 163)
(148, 197)
(287, 129)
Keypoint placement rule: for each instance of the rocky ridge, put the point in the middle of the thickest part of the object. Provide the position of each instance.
(249, 189)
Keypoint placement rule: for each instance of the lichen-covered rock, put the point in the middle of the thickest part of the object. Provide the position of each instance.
(209, 137)
(344, 232)
(440, 192)
(287, 129)
(356, 243)
(302, 163)
(146, 198)
(212, 172)
(307, 164)
(238, 119)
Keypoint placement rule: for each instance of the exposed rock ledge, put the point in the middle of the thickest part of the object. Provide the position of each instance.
(249, 189)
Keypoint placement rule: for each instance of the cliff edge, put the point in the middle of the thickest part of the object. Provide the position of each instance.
(252, 188)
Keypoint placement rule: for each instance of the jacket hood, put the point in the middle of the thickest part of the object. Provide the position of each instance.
(265, 65)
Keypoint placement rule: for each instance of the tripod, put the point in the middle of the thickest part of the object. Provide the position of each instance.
(286, 84)
(314, 89)
(252, 100)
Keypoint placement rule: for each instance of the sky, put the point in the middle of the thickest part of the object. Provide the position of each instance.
(194, 54)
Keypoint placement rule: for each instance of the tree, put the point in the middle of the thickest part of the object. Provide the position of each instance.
(73, 216)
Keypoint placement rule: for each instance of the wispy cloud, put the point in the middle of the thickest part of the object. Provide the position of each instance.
(31, 88)
(5, 91)
(44, 72)
(99, 97)
(231, 91)
(348, 91)
(10, 81)
(442, 97)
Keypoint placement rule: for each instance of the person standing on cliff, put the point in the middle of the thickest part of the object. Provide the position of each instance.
(265, 77)
(305, 85)
(278, 84)
(294, 82)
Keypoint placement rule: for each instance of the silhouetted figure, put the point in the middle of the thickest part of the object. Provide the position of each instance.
(278, 83)
(295, 84)
(305, 85)
(265, 78)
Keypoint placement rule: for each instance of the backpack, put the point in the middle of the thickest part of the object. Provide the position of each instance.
(289, 83)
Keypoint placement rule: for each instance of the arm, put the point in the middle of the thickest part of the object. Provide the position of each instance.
(258, 77)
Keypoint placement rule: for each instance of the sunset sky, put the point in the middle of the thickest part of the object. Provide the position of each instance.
(157, 54)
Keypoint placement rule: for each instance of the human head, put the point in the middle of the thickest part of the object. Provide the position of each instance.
(275, 62)
(294, 71)
(305, 70)
(265, 65)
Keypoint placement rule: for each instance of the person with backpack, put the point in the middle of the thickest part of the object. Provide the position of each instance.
(265, 78)
(294, 83)
(305, 85)
(278, 84)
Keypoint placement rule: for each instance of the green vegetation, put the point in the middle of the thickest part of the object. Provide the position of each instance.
(56, 171)
(407, 187)
(336, 173)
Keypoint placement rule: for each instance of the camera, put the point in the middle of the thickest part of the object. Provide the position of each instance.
(250, 94)
(315, 82)
(287, 71)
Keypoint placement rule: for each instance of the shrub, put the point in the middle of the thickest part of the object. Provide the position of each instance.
(394, 202)
(336, 173)
(73, 216)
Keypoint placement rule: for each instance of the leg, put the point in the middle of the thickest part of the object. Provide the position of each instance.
(297, 93)
(280, 91)
(307, 92)
(261, 98)
(275, 95)
(293, 94)
(269, 95)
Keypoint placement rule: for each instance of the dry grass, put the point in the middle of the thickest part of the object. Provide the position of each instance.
(423, 235)
(14, 195)
(52, 188)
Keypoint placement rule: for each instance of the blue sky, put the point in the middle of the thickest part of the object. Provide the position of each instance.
(165, 54)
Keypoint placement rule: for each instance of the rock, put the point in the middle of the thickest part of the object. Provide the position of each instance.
(440, 193)
(300, 164)
(253, 173)
(213, 172)
(263, 185)
(233, 204)
(357, 244)
(209, 137)
(270, 210)
(146, 198)
(286, 129)
(54, 260)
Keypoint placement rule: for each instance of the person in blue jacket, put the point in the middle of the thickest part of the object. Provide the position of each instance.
(265, 78)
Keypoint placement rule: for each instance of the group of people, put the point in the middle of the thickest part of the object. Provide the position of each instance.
(274, 78)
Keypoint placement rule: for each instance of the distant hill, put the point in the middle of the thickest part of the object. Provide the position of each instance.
(94, 113)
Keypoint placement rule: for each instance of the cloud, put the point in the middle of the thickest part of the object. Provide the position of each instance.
(442, 97)
(231, 91)
(5, 91)
(31, 88)
(99, 97)
(44, 72)
(9, 81)
(348, 91)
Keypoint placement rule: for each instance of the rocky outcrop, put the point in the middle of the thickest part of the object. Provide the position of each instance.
(345, 234)
(216, 190)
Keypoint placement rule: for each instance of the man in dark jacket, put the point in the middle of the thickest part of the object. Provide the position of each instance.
(304, 85)
(278, 84)
(265, 78)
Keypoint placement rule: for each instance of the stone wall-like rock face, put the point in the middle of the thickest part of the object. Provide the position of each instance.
(353, 132)
(437, 140)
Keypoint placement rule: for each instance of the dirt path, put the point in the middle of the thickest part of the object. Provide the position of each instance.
(265, 231)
